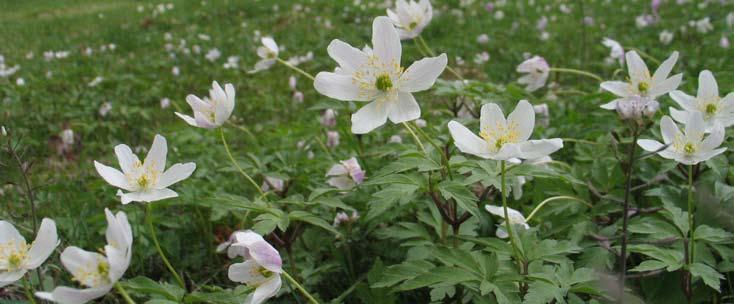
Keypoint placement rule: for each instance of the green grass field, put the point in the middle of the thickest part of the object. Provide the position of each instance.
(123, 53)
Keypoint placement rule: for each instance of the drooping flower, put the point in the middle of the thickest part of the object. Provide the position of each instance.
(343, 217)
(332, 139)
(641, 83)
(18, 257)
(616, 50)
(277, 184)
(377, 76)
(536, 70)
(714, 108)
(687, 148)
(410, 18)
(97, 272)
(214, 110)
(268, 54)
(262, 266)
(145, 181)
(328, 118)
(346, 174)
(503, 139)
(516, 219)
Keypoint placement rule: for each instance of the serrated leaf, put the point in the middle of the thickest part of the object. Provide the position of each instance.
(710, 276)
(649, 265)
(303, 216)
(712, 235)
(461, 194)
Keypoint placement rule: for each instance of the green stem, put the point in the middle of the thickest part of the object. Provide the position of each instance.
(430, 52)
(691, 226)
(415, 137)
(577, 72)
(508, 224)
(555, 198)
(124, 294)
(234, 162)
(151, 230)
(304, 73)
(299, 287)
(28, 290)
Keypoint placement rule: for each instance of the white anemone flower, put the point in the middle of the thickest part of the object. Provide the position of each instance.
(212, 111)
(346, 174)
(714, 108)
(97, 272)
(687, 148)
(516, 219)
(536, 70)
(377, 76)
(410, 18)
(262, 266)
(616, 49)
(146, 181)
(503, 139)
(641, 83)
(18, 257)
(268, 54)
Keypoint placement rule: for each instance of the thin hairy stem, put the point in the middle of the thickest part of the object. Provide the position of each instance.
(124, 294)
(555, 198)
(577, 72)
(151, 230)
(237, 165)
(299, 287)
(625, 214)
(304, 73)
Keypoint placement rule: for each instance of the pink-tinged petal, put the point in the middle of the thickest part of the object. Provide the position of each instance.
(265, 291)
(369, 117)
(468, 142)
(491, 115)
(422, 74)
(265, 255)
(666, 86)
(405, 108)
(67, 295)
(337, 170)
(175, 174)
(636, 68)
(539, 148)
(619, 88)
(349, 58)
(341, 87)
(668, 129)
(522, 119)
(157, 154)
(386, 41)
(687, 102)
(707, 86)
(45, 243)
(342, 182)
(664, 69)
(650, 145)
(113, 176)
(127, 159)
(148, 196)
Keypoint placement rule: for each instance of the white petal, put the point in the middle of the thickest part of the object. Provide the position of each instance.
(714, 139)
(619, 88)
(118, 233)
(405, 108)
(157, 155)
(151, 195)
(262, 65)
(175, 173)
(490, 116)
(67, 295)
(188, 119)
(266, 256)
(668, 129)
(650, 145)
(678, 115)
(9, 277)
(687, 102)
(343, 182)
(707, 86)
(385, 41)
(78, 261)
(612, 105)
(666, 86)
(523, 119)
(45, 243)
(348, 57)
(695, 126)
(468, 142)
(337, 170)
(246, 272)
(269, 43)
(704, 156)
(266, 291)
(229, 91)
(340, 86)
(119, 261)
(533, 149)
(508, 151)
(126, 158)
(8, 232)
(369, 117)
(113, 176)
(636, 67)
(664, 69)
(422, 74)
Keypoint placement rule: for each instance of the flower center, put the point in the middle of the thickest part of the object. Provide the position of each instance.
(412, 25)
(689, 148)
(383, 82)
(711, 109)
(499, 135)
(643, 87)
(13, 255)
(94, 275)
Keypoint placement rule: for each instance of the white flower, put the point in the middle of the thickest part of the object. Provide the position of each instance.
(617, 52)
(641, 83)
(704, 25)
(97, 80)
(346, 174)
(232, 62)
(328, 119)
(666, 37)
(714, 108)
(20, 82)
(165, 103)
(481, 58)
(146, 181)
(17, 257)
(262, 266)
(277, 184)
(483, 39)
(332, 139)
(503, 139)
(724, 42)
(214, 110)
(537, 71)
(213, 54)
(93, 270)
(689, 148)
(105, 108)
(410, 18)
(636, 108)
(516, 219)
(378, 77)
(268, 53)
(6, 71)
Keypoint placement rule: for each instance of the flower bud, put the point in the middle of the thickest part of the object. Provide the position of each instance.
(328, 119)
(332, 139)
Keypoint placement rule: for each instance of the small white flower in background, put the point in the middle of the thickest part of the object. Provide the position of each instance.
(666, 37)
(298, 96)
(543, 114)
(204, 37)
(105, 108)
(146, 181)
(616, 50)
(396, 139)
(516, 219)
(261, 268)
(213, 54)
(97, 80)
(6, 71)
(175, 71)
(212, 111)
(687, 148)
(542, 23)
(565, 8)
(29, 55)
(3, 131)
(499, 15)
(544, 36)
(481, 58)
(93, 270)
(410, 18)
(332, 139)
(328, 119)
(20, 82)
(292, 82)
(641, 84)
(88, 51)
(644, 21)
(67, 139)
(714, 108)
(165, 103)
(730, 20)
(503, 139)
(420, 123)
(274, 183)
(232, 62)
(483, 39)
(16, 256)
(377, 77)
(268, 54)
(589, 21)
(346, 174)
(343, 217)
(704, 25)
(536, 70)
(724, 42)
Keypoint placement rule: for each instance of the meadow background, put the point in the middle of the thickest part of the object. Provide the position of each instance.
(138, 56)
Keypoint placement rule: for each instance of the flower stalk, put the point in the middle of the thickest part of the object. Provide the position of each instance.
(577, 72)
(625, 211)
(151, 230)
(234, 162)
(691, 227)
(28, 290)
(302, 72)
(124, 294)
(299, 287)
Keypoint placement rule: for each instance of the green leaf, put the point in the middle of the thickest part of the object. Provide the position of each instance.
(709, 275)
(542, 292)
(673, 259)
(712, 235)
(649, 265)
(303, 216)
(678, 217)
(442, 276)
(145, 286)
(402, 272)
(461, 194)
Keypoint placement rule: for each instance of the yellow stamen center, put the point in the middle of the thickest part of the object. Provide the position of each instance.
(711, 109)
(383, 82)
(643, 87)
